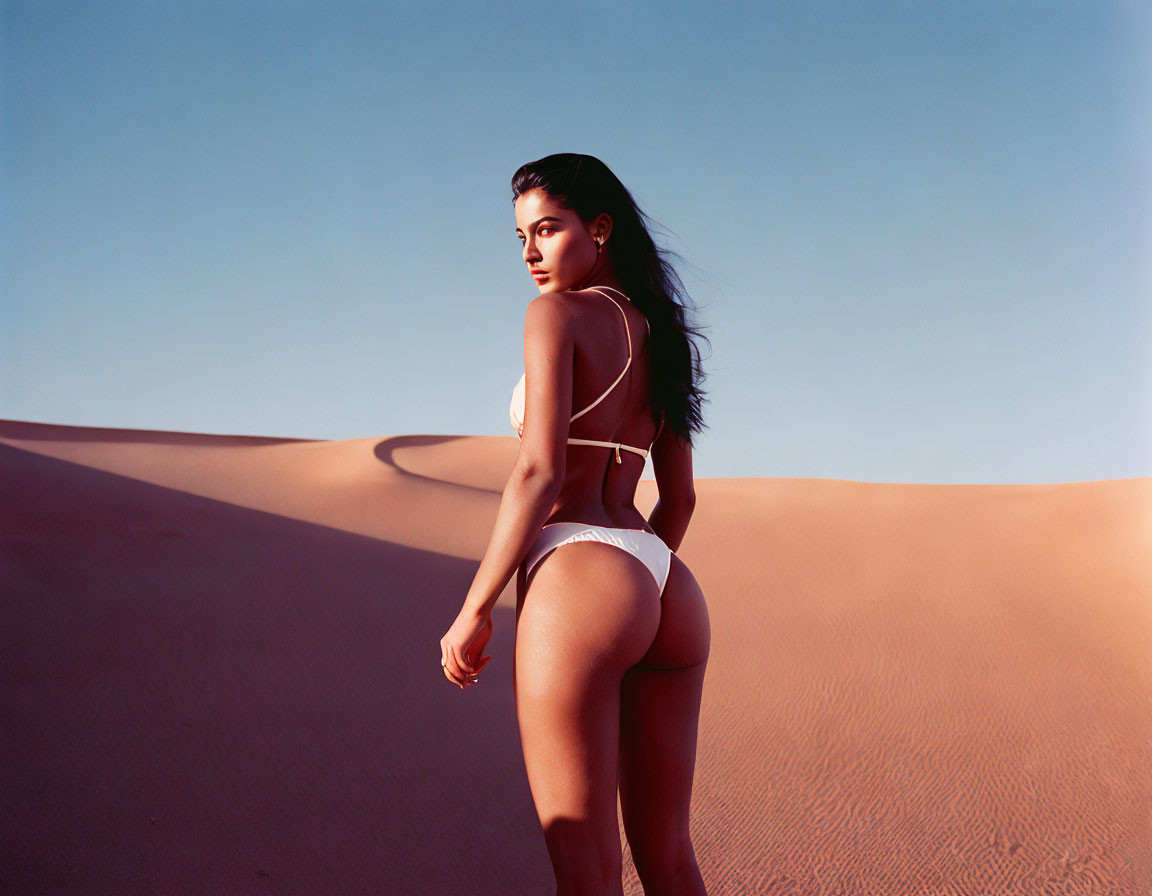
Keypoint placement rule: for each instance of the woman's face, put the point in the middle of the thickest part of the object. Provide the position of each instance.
(559, 248)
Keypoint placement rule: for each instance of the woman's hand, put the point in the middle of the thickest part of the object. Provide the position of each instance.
(462, 646)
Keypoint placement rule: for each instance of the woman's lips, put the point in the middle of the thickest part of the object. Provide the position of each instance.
(539, 275)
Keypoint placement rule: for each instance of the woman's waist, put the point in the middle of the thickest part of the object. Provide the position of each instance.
(617, 518)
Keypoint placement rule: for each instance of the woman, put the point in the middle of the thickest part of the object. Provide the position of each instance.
(612, 631)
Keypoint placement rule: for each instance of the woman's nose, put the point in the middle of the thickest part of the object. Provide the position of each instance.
(531, 254)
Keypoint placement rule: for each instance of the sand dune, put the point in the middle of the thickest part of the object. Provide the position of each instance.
(221, 674)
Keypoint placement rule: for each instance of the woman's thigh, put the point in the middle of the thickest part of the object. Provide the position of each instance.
(589, 613)
(660, 711)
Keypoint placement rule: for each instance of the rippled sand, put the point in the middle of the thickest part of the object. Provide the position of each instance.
(221, 674)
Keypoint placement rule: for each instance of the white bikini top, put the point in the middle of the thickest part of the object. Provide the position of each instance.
(516, 409)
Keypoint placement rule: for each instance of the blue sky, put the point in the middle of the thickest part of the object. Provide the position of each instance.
(919, 232)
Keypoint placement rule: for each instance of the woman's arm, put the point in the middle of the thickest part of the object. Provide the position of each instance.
(670, 521)
(538, 474)
(672, 463)
(527, 500)
(535, 484)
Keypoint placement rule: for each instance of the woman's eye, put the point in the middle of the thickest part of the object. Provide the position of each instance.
(543, 230)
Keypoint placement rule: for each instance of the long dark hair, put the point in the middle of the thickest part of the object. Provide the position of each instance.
(585, 185)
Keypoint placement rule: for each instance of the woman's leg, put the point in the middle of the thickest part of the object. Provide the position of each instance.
(590, 612)
(660, 712)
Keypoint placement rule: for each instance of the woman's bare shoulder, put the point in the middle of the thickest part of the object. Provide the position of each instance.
(550, 318)
(552, 308)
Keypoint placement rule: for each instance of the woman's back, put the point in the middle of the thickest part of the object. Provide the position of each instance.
(599, 482)
(596, 487)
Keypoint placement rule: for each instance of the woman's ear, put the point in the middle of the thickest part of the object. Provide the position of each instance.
(601, 227)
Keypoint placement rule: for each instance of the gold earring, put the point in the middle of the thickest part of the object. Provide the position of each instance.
(599, 246)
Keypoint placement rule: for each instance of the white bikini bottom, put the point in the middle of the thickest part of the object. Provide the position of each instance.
(646, 546)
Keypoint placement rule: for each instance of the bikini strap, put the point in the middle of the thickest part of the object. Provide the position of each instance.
(628, 336)
(614, 289)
